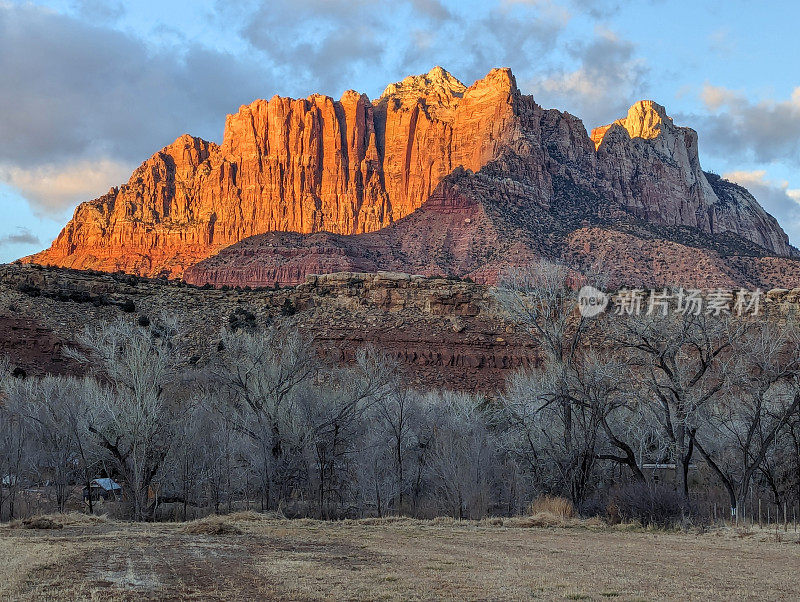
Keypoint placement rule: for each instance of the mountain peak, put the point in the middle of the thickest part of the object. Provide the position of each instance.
(356, 166)
(499, 78)
(437, 83)
(645, 119)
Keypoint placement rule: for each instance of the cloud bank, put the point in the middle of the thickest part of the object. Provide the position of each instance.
(776, 197)
(75, 93)
(23, 236)
(765, 131)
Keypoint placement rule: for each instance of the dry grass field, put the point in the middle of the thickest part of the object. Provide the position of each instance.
(250, 556)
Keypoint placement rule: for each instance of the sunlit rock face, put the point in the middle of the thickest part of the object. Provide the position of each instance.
(354, 166)
(307, 165)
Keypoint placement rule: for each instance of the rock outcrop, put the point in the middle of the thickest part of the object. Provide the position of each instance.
(442, 333)
(308, 165)
(478, 225)
(432, 177)
(654, 170)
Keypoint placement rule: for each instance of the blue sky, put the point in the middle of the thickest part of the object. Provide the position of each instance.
(91, 88)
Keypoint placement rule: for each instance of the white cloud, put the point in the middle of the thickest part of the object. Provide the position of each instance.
(326, 45)
(51, 189)
(775, 196)
(765, 131)
(75, 89)
(22, 236)
(603, 87)
(82, 102)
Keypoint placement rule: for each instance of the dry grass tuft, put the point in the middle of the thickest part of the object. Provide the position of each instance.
(540, 519)
(59, 521)
(212, 525)
(553, 505)
(250, 516)
(492, 521)
(78, 518)
(41, 522)
(443, 521)
(386, 520)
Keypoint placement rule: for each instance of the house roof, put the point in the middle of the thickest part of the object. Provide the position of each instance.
(107, 484)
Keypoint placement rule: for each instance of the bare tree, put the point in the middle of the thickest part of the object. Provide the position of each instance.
(12, 441)
(398, 412)
(680, 361)
(566, 403)
(133, 418)
(263, 376)
(336, 421)
(737, 431)
(55, 414)
(462, 457)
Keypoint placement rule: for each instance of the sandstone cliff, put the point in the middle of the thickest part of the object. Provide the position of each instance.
(654, 170)
(355, 166)
(307, 165)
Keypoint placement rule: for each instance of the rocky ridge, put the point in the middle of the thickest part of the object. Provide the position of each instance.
(429, 147)
(440, 331)
(305, 165)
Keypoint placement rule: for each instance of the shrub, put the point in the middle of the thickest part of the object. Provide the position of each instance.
(41, 522)
(288, 308)
(144, 321)
(549, 504)
(128, 306)
(99, 300)
(80, 296)
(29, 289)
(647, 504)
(594, 506)
(242, 318)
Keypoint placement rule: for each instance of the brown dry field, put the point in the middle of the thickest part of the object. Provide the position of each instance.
(393, 560)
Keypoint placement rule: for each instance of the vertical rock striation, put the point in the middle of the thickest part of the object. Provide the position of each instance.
(355, 166)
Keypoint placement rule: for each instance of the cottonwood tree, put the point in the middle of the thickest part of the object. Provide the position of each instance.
(55, 413)
(12, 441)
(376, 476)
(679, 359)
(263, 376)
(133, 417)
(336, 418)
(603, 391)
(561, 407)
(533, 421)
(462, 457)
(738, 431)
(397, 414)
(789, 462)
(541, 299)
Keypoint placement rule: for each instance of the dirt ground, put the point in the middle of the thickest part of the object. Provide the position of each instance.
(392, 560)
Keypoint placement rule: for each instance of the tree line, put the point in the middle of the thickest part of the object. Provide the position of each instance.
(265, 423)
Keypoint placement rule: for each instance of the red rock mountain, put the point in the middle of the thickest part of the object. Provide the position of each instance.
(432, 177)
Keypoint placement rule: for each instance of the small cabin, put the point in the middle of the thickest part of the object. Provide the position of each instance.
(103, 489)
